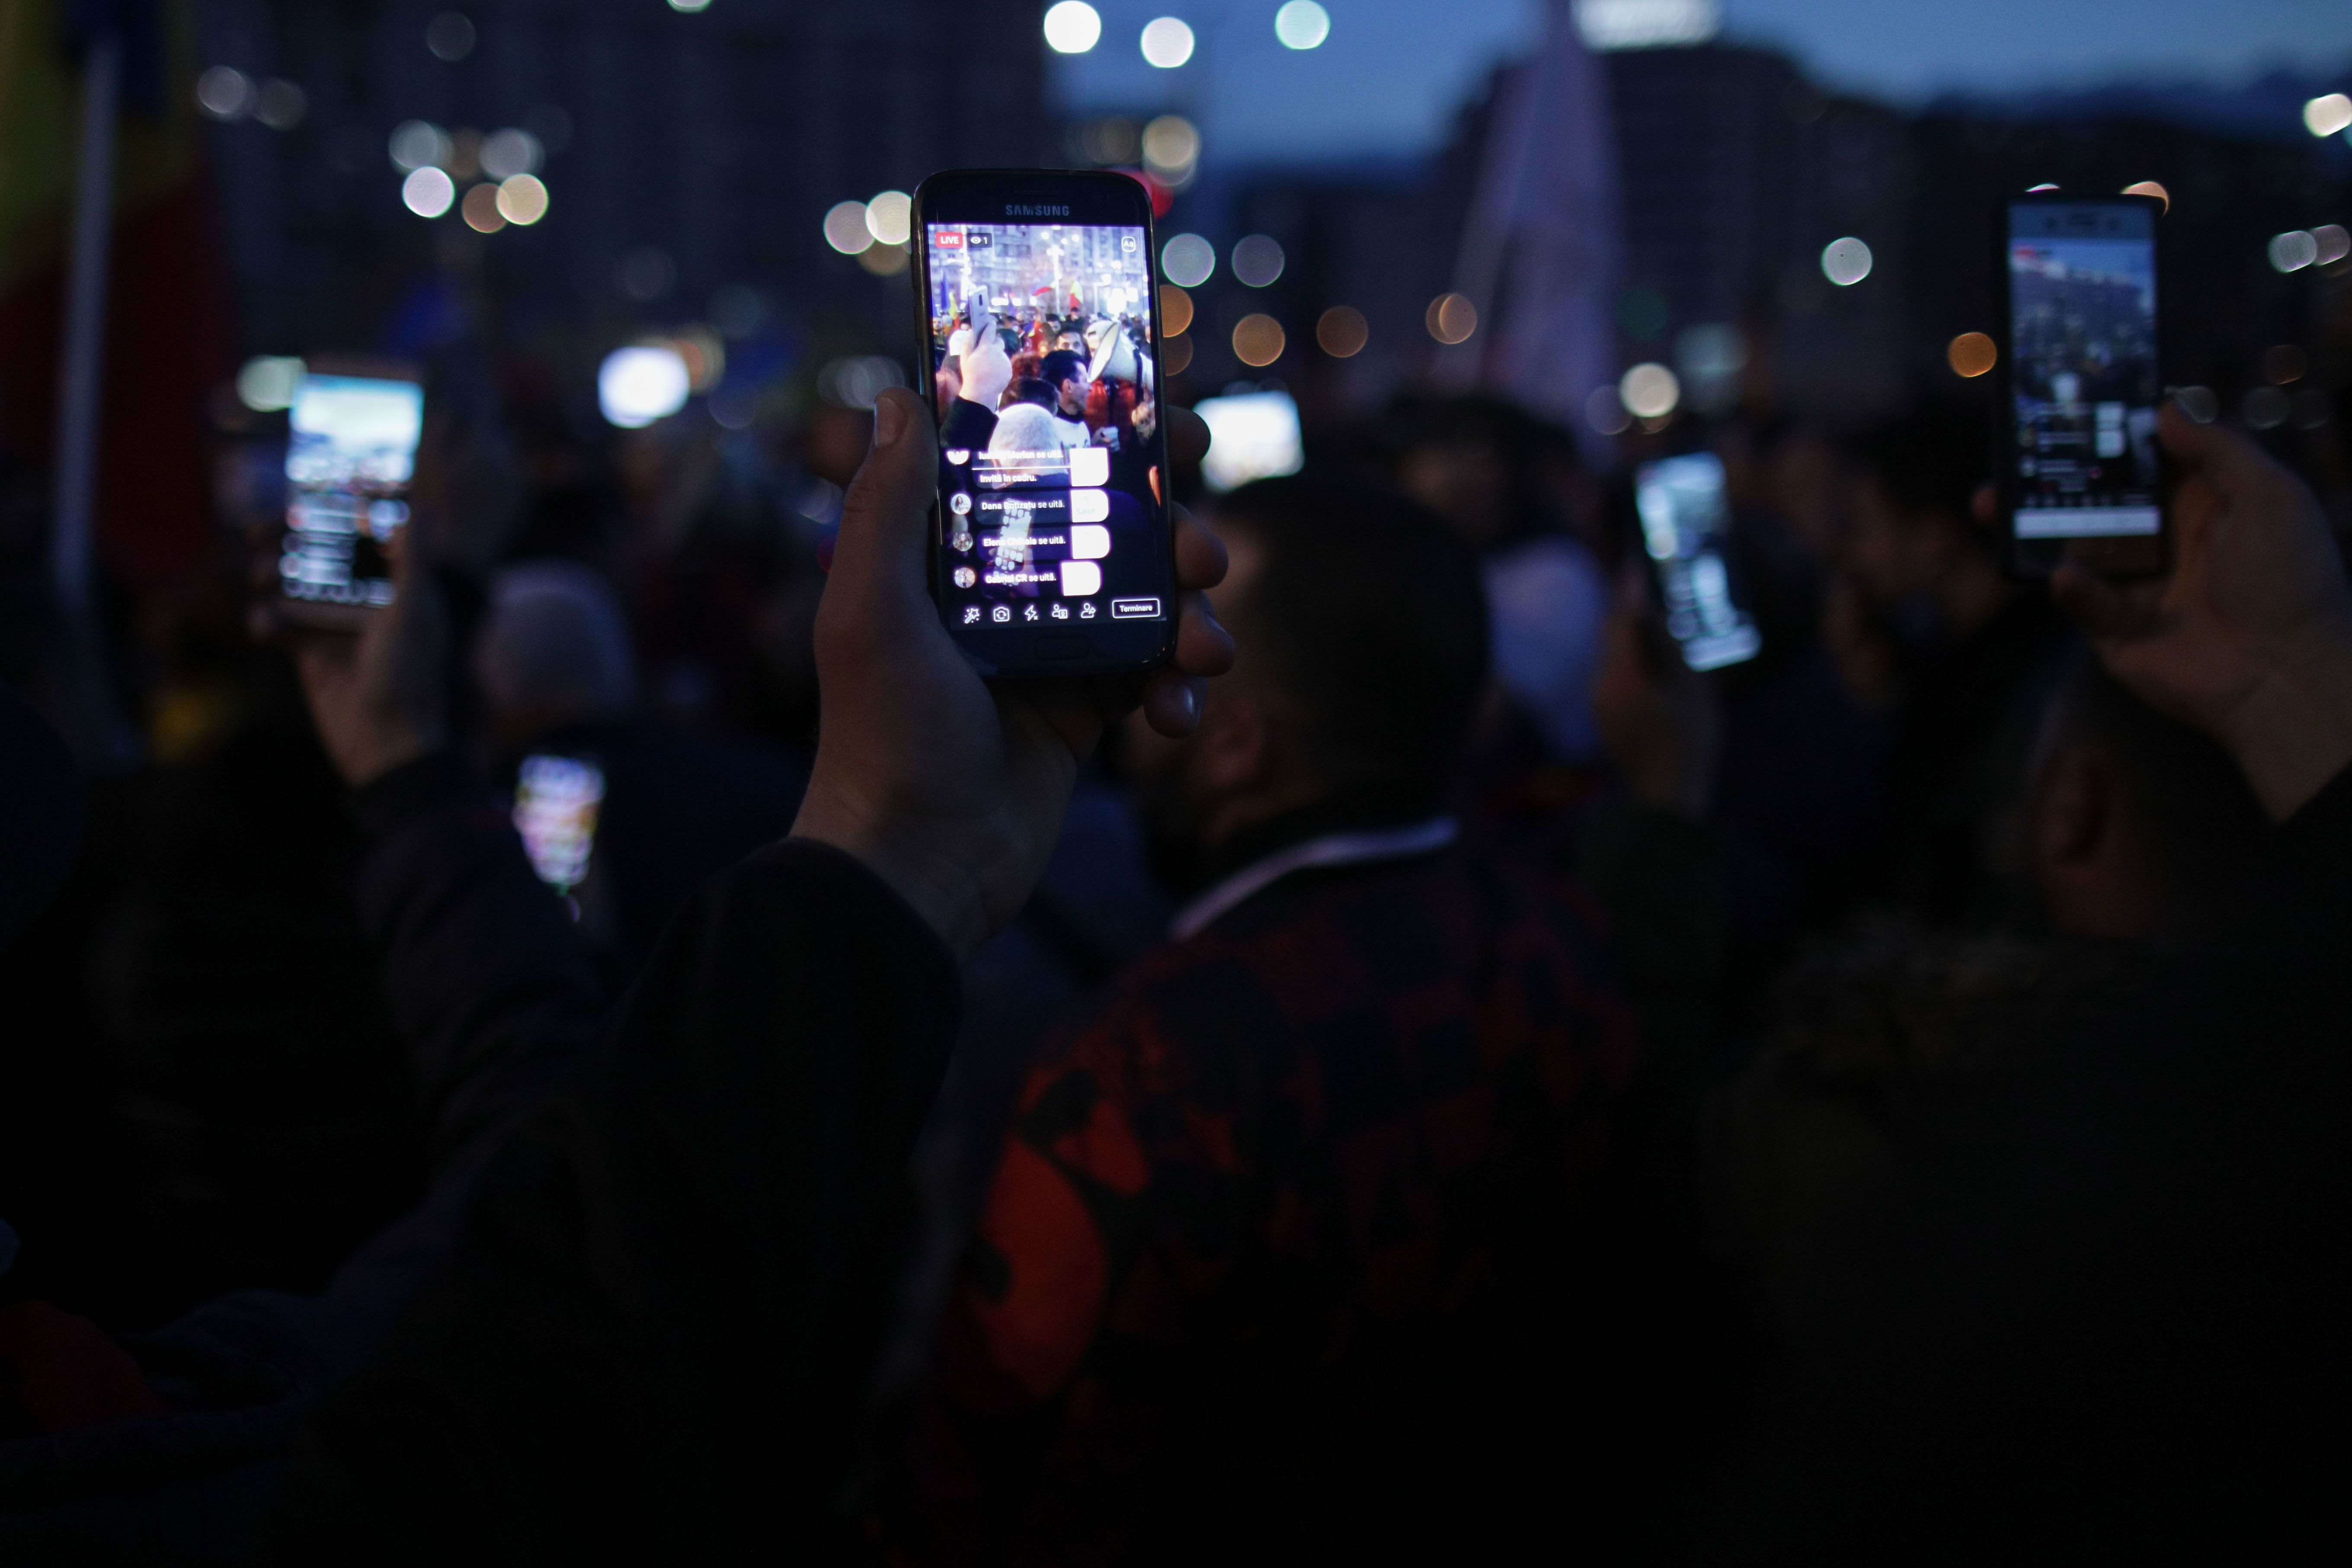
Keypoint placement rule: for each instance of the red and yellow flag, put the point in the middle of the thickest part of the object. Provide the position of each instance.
(167, 333)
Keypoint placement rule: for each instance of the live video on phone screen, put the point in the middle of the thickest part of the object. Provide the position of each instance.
(1047, 381)
(1685, 526)
(2082, 290)
(353, 451)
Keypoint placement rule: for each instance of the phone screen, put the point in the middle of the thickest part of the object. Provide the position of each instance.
(2082, 337)
(1686, 526)
(348, 464)
(1047, 376)
(556, 802)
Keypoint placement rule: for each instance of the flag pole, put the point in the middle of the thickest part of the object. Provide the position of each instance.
(81, 377)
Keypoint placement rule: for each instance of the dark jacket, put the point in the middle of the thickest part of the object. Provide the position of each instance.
(1268, 1224)
(653, 1340)
(495, 1002)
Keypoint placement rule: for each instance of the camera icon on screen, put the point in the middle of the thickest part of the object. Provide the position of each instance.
(1001, 614)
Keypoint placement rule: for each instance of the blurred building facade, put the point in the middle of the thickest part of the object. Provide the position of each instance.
(685, 154)
(1737, 172)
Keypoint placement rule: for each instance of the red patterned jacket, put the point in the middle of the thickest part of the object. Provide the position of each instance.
(1268, 1225)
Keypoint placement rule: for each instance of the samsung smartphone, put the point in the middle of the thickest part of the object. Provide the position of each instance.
(1036, 299)
(557, 799)
(1686, 528)
(2080, 472)
(348, 458)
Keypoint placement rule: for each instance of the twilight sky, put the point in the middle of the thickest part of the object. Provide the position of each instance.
(1393, 72)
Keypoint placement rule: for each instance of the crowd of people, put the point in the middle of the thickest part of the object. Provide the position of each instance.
(1424, 1073)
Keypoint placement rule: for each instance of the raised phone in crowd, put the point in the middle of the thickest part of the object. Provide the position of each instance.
(350, 456)
(2080, 466)
(1686, 529)
(1040, 312)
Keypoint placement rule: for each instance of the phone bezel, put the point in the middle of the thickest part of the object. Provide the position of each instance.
(1092, 197)
(2129, 555)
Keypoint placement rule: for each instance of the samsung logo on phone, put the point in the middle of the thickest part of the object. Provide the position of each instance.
(1015, 210)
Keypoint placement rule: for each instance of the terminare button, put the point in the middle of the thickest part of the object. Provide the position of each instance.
(1067, 646)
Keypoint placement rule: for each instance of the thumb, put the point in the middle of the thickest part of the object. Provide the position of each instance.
(2103, 610)
(2221, 456)
(885, 518)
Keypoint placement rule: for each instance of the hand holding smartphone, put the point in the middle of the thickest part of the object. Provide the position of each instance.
(2080, 470)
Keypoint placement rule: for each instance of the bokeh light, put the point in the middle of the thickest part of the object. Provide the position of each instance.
(1259, 341)
(889, 216)
(427, 192)
(2283, 362)
(645, 274)
(450, 36)
(512, 151)
(1175, 354)
(884, 260)
(1650, 390)
(480, 210)
(1167, 42)
(858, 382)
(224, 92)
(1451, 318)
(2332, 242)
(522, 199)
(2266, 408)
(1175, 310)
(1170, 147)
(2294, 250)
(1257, 259)
(280, 104)
(1844, 262)
(1605, 412)
(418, 144)
(689, 6)
(637, 385)
(1341, 331)
(1302, 25)
(1072, 27)
(2150, 188)
(1187, 261)
(266, 384)
(1971, 354)
(844, 228)
(2328, 114)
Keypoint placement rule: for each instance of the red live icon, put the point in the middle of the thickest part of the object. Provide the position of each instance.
(948, 239)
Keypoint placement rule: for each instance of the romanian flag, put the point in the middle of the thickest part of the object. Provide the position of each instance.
(167, 326)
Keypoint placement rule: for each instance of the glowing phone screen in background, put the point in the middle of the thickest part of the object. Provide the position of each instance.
(1686, 526)
(556, 803)
(348, 463)
(1253, 436)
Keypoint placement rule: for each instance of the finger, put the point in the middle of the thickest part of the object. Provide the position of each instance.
(2106, 610)
(1171, 703)
(1200, 554)
(1204, 646)
(885, 517)
(1188, 433)
(2215, 452)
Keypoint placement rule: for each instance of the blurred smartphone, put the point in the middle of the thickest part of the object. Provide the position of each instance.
(2080, 470)
(350, 455)
(1685, 517)
(557, 800)
(1052, 553)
